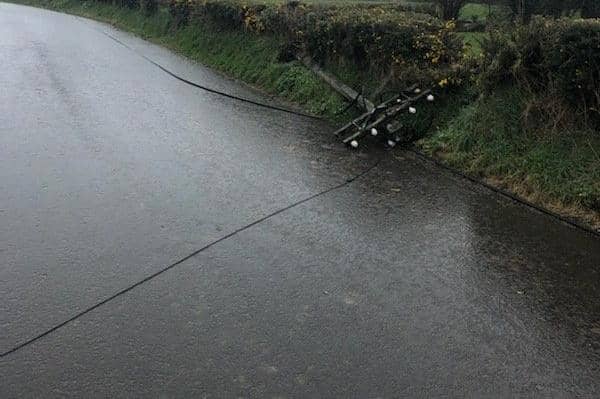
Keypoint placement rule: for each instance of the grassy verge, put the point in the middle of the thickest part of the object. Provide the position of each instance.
(483, 137)
(560, 171)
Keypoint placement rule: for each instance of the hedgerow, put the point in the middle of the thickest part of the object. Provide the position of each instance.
(378, 39)
(558, 60)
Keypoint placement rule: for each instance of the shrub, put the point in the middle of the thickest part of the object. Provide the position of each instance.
(557, 58)
(180, 11)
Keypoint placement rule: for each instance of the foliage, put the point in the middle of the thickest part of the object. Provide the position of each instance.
(488, 139)
(148, 7)
(449, 9)
(525, 9)
(375, 38)
(558, 59)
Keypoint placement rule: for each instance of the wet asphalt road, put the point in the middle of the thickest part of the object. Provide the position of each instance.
(406, 282)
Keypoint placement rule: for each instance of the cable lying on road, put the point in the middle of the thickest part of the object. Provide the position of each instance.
(208, 89)
(185, 258)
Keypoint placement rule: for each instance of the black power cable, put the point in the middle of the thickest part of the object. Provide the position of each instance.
(185, 258)
(208, 89)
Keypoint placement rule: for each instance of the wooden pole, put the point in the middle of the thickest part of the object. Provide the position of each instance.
(347, 92)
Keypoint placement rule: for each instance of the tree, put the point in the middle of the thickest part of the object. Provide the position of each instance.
(450, 8)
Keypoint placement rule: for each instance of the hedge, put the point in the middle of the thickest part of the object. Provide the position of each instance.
(375, 38)
(559, 58)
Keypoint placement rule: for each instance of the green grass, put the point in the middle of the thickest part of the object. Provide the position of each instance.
(481, 12)
(487, 139)
(253, 59)
(474, 11)
(472, 42)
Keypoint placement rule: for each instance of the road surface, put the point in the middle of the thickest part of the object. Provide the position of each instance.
(377, 275)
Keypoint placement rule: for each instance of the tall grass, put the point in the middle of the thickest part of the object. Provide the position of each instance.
(488, 139)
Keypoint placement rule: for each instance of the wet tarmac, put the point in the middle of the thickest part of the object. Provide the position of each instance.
(407, 281)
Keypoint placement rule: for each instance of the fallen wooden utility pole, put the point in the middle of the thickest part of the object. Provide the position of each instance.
(374, 116)
(379, 115)
(347, 92)
(364, 116)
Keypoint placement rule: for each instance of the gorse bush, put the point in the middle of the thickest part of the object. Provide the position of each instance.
(558, 59)
(380, 39)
